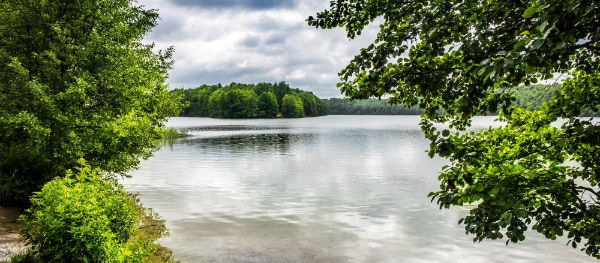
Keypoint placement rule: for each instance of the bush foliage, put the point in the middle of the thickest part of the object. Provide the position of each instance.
(85, 217)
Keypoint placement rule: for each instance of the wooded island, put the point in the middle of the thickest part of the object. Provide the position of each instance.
(241, 101)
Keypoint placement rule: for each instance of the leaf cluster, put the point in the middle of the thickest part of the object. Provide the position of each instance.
(538, 168)
(456, 59)
(76, 82)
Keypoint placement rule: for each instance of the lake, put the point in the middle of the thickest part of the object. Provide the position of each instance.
(326, 189)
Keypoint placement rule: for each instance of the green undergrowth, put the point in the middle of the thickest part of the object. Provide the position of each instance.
(88, 217)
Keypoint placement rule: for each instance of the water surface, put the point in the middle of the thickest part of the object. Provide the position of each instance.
(327, 189)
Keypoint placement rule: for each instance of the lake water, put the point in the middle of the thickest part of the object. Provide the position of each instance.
(327, 189)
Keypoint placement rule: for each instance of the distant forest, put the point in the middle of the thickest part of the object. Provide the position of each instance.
(527, 97)
(337, 106)
(270, 100)
(241, 101)
(532, 97)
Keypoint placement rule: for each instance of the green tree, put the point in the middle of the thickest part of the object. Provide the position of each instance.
(76, 82)
(198, 101)
(309, 102)
(292, 106)
(240, 104)
(267, 105)
(456, 59)
(281, 89)
(216, 104)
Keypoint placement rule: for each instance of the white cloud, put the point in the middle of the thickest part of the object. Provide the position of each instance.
(251, 42)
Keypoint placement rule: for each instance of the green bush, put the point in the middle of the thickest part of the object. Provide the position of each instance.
(82, 217)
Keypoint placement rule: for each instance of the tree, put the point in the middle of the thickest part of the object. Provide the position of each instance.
(240, 103)
(77, 83)
(292, 106)
(456, 59)
(215, 104)
(267, 105)
(281, 89)
(198, 101)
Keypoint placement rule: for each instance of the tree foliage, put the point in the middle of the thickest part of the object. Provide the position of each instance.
(263, 100)
(267, 105)
(292, 106)
(456, 59)
(76, 82)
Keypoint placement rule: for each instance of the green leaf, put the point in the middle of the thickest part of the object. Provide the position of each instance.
(530, 69)
(521, 213)
(543, 26)
(495, 190)
(537, 44)
(446, 133)
(529, 12)
(481, 71)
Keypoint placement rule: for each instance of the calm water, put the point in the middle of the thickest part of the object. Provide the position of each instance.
(327, 189)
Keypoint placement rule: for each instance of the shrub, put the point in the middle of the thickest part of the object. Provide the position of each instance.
(82, 217)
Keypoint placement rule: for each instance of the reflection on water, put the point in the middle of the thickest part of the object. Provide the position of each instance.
(254, 143)
(328, 189)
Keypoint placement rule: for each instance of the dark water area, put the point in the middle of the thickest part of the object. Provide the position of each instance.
(326, 189)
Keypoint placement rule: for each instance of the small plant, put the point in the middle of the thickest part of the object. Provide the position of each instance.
(172, 133)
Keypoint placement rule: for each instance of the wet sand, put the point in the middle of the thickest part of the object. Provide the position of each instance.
(10, 242)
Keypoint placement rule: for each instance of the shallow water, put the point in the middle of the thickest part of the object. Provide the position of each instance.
(327, 189)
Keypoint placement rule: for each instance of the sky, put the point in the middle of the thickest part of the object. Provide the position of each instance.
(252, 41)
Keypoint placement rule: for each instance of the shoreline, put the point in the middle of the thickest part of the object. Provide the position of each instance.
(10, 241)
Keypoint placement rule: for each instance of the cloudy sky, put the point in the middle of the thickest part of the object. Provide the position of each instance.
(252, 41)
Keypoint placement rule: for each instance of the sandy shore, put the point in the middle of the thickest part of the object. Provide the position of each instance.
(10, 242)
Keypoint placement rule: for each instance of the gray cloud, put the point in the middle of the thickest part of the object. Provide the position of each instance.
(251, 41)
(276, 38)
(248, 42)
(167, 29)
(242, 4)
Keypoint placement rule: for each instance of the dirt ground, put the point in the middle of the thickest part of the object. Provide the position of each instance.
(10, 242)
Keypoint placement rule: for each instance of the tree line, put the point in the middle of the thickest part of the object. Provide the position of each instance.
(531, 98)
(241, 101)
(337, 106)
(527, 97)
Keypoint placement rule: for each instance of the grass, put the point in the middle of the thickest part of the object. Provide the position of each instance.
(21, 257)
(172, 133)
